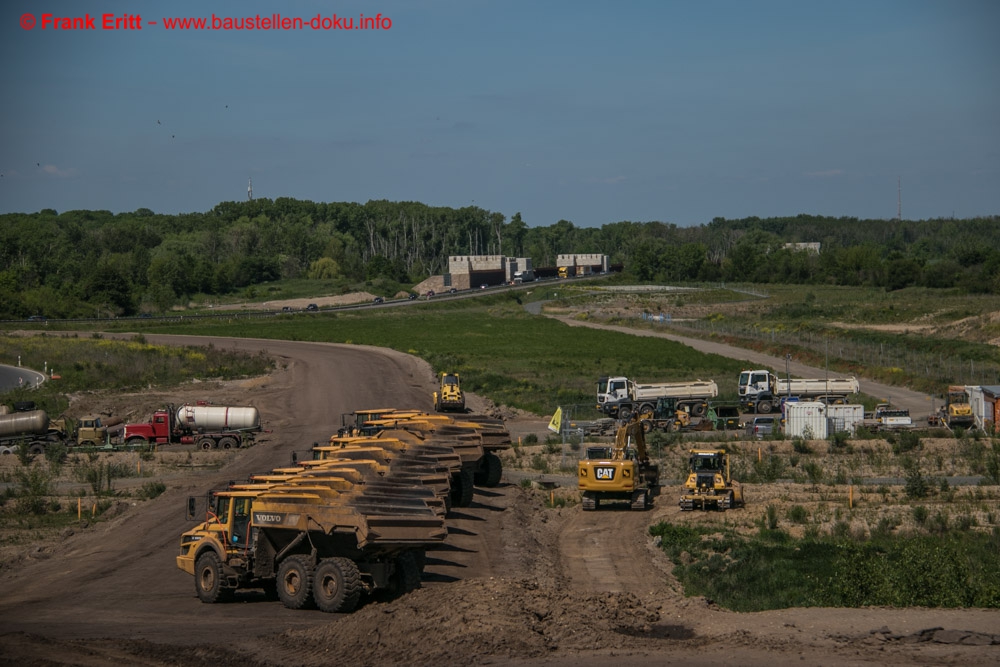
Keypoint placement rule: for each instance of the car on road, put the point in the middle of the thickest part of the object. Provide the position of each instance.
(36, 318)
(312, 307)
(430, 293)
(483, 286)
(286, 309)
(452, 290)
(377, 300)
(411, 296)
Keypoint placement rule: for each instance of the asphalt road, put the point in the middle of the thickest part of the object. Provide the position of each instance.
(12, 377)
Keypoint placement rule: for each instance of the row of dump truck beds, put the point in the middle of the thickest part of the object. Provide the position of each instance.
(354, 520)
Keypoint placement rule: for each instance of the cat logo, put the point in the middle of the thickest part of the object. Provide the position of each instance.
(605, 473)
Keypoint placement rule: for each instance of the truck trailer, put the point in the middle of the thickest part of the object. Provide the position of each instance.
(620, 397)
(762, 391)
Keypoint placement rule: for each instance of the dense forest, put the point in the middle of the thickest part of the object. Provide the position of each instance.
(82, 263)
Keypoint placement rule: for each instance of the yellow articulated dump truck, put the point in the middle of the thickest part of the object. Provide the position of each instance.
(709, 484)
(621, 472)
(320, 539)
(476, 439)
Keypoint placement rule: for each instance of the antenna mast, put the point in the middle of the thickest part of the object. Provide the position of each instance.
(899, 198)
(250, 189)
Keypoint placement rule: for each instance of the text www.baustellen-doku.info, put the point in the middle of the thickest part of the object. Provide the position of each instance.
(47, 21)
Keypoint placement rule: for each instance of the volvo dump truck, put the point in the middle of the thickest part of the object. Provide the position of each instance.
(762, 391)
(324, 543)
(449, 396)
(442, 456)
(477, 439)
(620, 397)
(620, 472)
(709, 484)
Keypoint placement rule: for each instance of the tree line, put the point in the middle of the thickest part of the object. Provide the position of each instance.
(87, 263)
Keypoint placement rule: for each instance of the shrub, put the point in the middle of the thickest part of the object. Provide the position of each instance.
(800, 446)
(920, 514)
(906, 442)
(531, 439)
(151, 490)
(797, 514)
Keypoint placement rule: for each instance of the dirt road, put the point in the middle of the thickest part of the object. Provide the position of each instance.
(516, 582)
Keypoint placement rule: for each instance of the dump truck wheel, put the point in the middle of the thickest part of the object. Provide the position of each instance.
(420, 556)
(206, 444)
(493, 471)
(295, 579)
(462, 488)
(36, 450)
(337, 585)
(409, 573)
(227, 443)
(208, 578)
(764, 408)
(624, 413)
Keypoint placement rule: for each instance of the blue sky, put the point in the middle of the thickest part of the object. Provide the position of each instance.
(593, 112)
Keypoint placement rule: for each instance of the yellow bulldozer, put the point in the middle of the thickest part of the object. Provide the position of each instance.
(709, 484)
(449, 397)
(620, 472)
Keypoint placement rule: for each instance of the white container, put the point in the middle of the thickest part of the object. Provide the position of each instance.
(844, 417)
(806, 420)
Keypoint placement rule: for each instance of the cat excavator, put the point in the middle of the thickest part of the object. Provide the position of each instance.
(620, 472)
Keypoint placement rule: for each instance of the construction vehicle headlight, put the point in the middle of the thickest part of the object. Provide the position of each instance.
(627, 473)
(583, 472)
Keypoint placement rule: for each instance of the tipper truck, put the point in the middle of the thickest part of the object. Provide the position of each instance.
(762, 391)
(322, 542)
(206, 426)
(620, 397)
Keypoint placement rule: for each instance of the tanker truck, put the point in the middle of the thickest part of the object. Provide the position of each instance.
(34, 429)
(762, 391)
(620, 397)
(206, 426)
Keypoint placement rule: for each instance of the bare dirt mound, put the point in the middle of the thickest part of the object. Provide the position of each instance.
(470, 621)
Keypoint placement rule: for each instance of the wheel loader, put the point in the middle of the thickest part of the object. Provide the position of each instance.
(620, 472)
(449, 397)
(709, 484)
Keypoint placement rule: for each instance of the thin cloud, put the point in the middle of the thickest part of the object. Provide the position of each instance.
(53, 170)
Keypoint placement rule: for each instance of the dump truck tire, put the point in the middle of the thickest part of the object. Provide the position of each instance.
(462, 488)
(336, 585)
(209, 579)
(36, 449)
(206, 444)
(228, 443)
(764, 407)
(408, 570)
(624, 413)
(492, 471)
(295, 579)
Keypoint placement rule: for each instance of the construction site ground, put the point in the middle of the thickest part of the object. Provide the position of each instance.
(516, 583)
